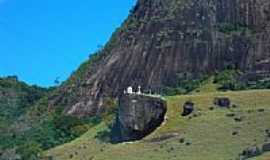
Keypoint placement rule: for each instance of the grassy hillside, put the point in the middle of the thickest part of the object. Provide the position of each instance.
(210, 133)
(265, 156)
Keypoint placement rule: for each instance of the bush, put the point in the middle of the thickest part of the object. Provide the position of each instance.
(186, 83)
(170, 91)
(79, 130)
(29, 151)
(228, 28)
(228, 80)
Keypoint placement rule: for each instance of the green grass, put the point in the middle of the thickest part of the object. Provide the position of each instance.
(265, 156)
(210, 134)
(207, 86)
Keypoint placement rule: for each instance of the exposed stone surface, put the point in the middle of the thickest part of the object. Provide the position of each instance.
(250, 152)
(267, 131)
(188, 108)
(222, 102)
(162, 138)
(138, 116)
(164, 38)
(266, 147)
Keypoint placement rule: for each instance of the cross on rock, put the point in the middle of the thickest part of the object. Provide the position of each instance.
(130, 90)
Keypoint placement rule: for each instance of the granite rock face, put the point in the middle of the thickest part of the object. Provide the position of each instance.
(162, 39)
(138, 116)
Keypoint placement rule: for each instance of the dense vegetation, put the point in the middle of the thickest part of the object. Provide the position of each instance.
(186, 83)
(235, 80)
(226, 80)
(16, 96)
(16, 99)
(28, 126)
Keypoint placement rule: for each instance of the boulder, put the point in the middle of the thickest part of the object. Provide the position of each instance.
(222, 102)
(238, 119)
(188, 108)
(250, 152)
(138, 116)
(266, 147)
(267, 132)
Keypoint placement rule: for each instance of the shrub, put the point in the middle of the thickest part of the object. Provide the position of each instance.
(228, 80)
(186, 83)
(79, 130)
(29, 151)
(228, 28)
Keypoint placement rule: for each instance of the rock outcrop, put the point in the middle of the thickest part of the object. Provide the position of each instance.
(250, 152)
(163, 40)
(188, 108)
(222, 102)
(266, 147)
(138, 116)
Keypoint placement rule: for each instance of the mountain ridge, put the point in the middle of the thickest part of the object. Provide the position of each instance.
(195, 47)
(161, 40)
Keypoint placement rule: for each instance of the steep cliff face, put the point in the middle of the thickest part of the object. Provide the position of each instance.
(164, 38)
(138, 116)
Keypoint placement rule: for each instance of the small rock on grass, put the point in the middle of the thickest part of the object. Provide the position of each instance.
(234, 133)
(182, 140)
(238, 119)
(230, 114)
(261, 110)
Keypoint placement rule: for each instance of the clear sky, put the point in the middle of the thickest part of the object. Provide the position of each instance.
(41, 40)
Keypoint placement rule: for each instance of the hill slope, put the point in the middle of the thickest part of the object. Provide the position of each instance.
(163, 41)
(210, 134)
(17, 99)
(16, 96)
(28, 125)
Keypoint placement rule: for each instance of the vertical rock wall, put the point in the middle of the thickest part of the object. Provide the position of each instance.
(138, 116)
(163, 39)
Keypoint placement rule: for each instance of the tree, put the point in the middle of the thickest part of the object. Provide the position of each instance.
(57, 81)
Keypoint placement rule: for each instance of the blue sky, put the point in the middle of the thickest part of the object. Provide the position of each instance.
(41, 40)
